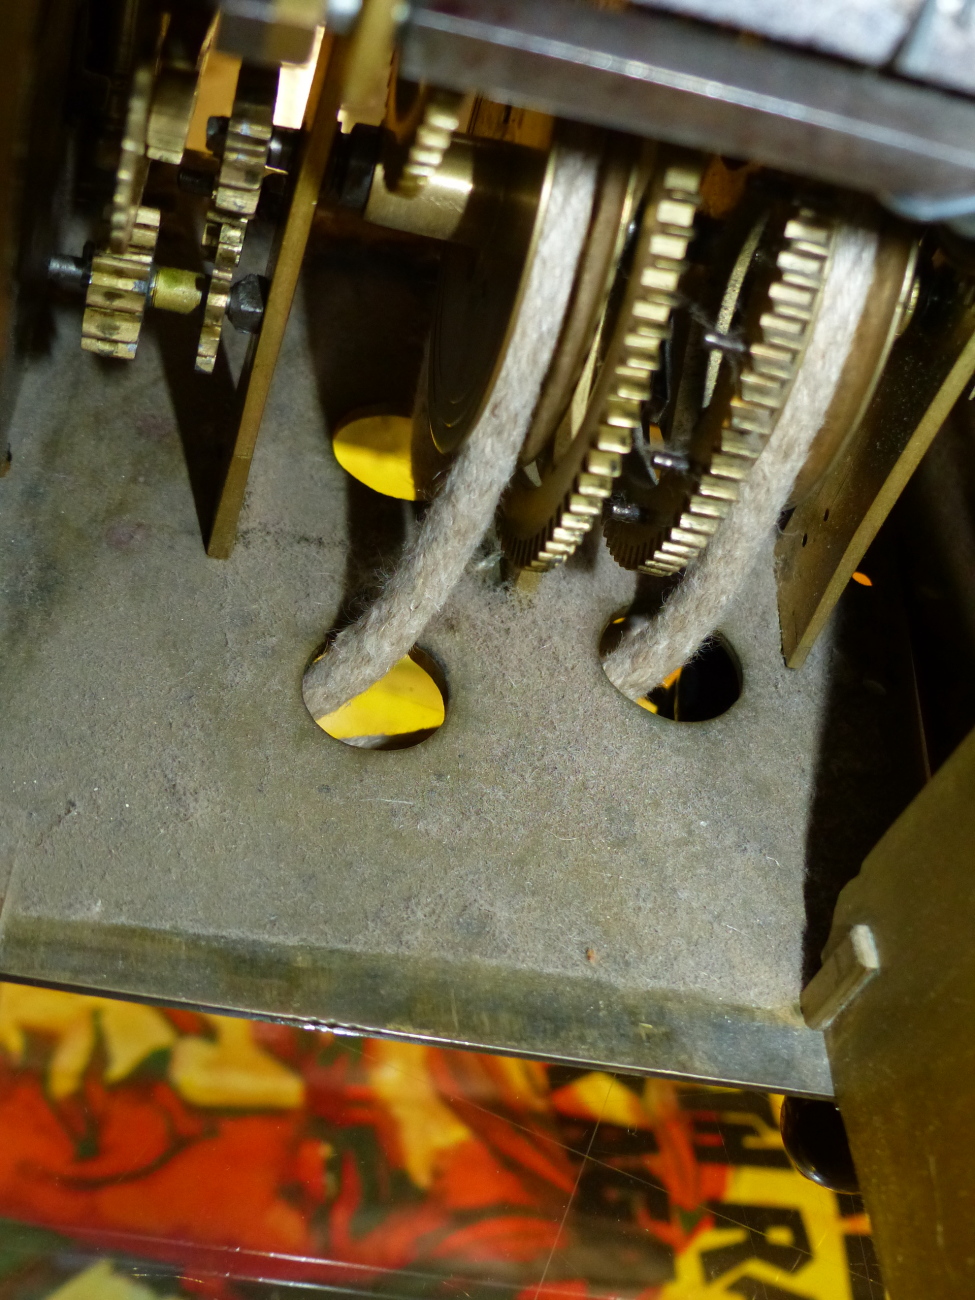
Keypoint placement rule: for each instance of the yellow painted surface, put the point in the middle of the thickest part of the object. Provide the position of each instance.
(609, 1101)
(233, 1071)
(376, 451)
(129, 1032)
(426, 1126)
(820, 1272)
(407, 699)
(101, 1282)
(229, 1071)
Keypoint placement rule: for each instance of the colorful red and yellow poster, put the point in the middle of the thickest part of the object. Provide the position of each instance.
(149, 1153)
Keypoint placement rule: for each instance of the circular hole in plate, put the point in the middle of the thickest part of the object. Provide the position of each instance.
(377, 450)
(704, 688)
(402, 709)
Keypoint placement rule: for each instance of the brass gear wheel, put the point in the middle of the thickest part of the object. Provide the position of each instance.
(242, 171)
(422, 136)
(545, 517)
(118, 290)
(690, 504)
(162, 94)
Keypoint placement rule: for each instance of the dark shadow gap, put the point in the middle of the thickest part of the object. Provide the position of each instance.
(870, 760)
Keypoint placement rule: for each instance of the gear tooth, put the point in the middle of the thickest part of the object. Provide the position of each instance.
(612, 438)
(678, 550)
(631, 388)
(605, 463)
(575, 524)
(737, 445)
(676, 212)
(710, 507)
(581, 505)
(772, 361)
(593, 485)
(656, 310)
(671, 246)
(697, 523)
(789, 295)
(802, 264)
(804, 230)
(623, 413)
(721, 489)
(662, 275)
(783, 330)
(683, 177)
(763, 390)
(688, 537)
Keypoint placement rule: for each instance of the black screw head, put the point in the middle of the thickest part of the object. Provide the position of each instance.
(248, 298)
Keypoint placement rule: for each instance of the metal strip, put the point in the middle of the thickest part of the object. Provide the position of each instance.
(663, 77)
(476, 1005)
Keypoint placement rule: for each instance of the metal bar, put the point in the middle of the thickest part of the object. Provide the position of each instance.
(673, 80)
(908, 1037)
(867, 31)
(262, 356)
(828, 535)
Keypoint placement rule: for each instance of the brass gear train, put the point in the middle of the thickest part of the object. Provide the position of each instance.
(243, 168)
(161, 95)
(543, 522)
(690, 503)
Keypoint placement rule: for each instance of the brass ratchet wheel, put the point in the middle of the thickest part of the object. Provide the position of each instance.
(581, 431)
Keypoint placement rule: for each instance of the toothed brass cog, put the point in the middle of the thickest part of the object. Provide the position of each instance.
(421, 122)
(242, 171)
(546, 516)
(118, 290)
(711, 488)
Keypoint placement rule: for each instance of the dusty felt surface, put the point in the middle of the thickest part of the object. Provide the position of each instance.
(159, 770)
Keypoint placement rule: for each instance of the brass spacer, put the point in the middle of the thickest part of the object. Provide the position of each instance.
(174, 290)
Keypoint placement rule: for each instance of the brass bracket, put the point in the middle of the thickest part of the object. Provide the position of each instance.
(830, 530)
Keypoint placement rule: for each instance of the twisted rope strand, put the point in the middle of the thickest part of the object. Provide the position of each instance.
(463, 510)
